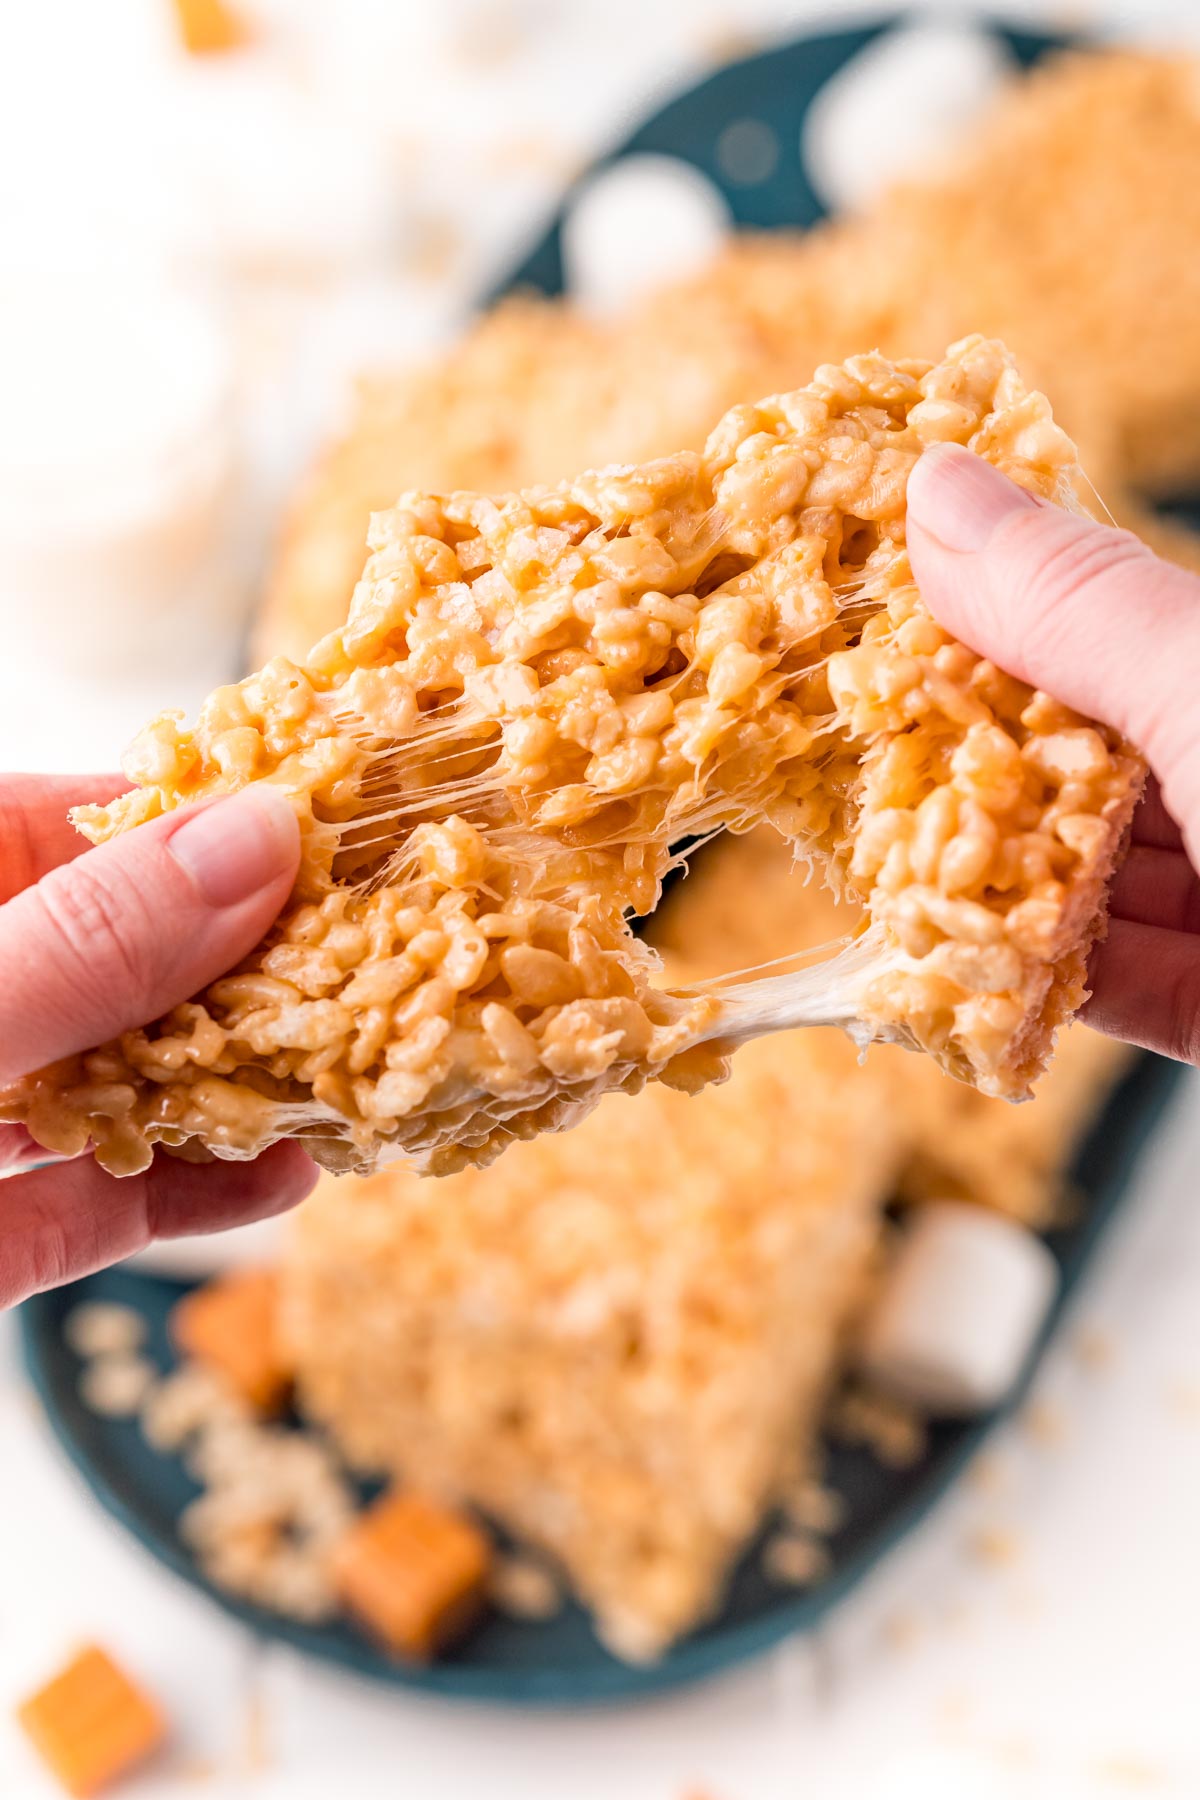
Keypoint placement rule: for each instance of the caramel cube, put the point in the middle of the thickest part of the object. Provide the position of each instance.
(413, 1572)
(209, 27)
(91, 1724)
(230, 1325)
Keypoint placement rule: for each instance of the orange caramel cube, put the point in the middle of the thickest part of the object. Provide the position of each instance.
(209, 26)
(230, 1325)
(413, 1572)
(91, 1724)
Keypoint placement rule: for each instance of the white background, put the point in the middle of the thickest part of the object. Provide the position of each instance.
(1039, 1635)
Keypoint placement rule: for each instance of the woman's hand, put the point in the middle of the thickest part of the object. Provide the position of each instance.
(96, 943)
(1094, 618)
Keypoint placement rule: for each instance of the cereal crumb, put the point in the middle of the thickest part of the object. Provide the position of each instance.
(255, 1756)
(725, 42)
(487, 37)
(524, 1589)
(1014, 1753)
(1094, 1348)
(989, 1475)
(1130, 1772)
(104, 1328)
(1183, 1400)
(273, 1508)
(993, 1545)
(896, 1433)
(434, 248)
(811, 1507)
(199, 1770)
(901, 1630)
(956, 1616)
(529, 153)
(183, 1403)
(954, 1709)
(1045, 1424)
(1026, 1602)
(794, 1560)
(115, 1386)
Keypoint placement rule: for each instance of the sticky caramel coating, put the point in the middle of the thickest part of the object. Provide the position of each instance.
(533, 700)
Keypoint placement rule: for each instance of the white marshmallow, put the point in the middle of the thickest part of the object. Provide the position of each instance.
(960, 1309)
(897, 108)
(642, 222)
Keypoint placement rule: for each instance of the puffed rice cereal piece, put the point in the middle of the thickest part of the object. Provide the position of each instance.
(534, 699)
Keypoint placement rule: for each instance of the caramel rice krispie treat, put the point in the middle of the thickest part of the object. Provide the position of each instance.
(534, 699)
(617, 1343)
(535, 391)
(1068, 227)
(1065, 224)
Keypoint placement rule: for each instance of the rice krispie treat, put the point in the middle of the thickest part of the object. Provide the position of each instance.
(1066, 225)
(740, 904)
(617, 1343)
(620, 1343)
(534, 699)
(534, 391)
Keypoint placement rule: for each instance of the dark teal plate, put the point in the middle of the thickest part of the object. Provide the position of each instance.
(774, 89)
(560, 1662)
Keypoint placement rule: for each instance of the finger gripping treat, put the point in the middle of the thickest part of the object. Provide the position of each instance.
(534, 700)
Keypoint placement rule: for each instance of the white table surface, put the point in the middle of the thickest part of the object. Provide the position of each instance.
(1037, 1636)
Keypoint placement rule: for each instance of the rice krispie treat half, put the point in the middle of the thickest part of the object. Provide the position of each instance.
(534, 699)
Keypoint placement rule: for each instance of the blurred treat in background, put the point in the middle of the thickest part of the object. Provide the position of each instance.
(946, 70)
(1015, 236)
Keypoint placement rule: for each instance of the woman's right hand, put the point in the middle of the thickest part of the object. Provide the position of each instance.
(1093, 617)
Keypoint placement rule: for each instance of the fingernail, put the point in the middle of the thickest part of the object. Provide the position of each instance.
(233, 848)
(960, 499)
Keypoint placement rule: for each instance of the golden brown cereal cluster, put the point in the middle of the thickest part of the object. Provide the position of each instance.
(534, 700)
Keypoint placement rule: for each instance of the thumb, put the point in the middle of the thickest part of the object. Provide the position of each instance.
(1085, 612)
(128, 930)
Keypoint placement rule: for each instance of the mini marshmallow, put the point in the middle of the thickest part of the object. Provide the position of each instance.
(960, 1309)
(642, 222)
(898, 108)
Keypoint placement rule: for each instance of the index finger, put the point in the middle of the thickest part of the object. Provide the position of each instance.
(35, 832)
